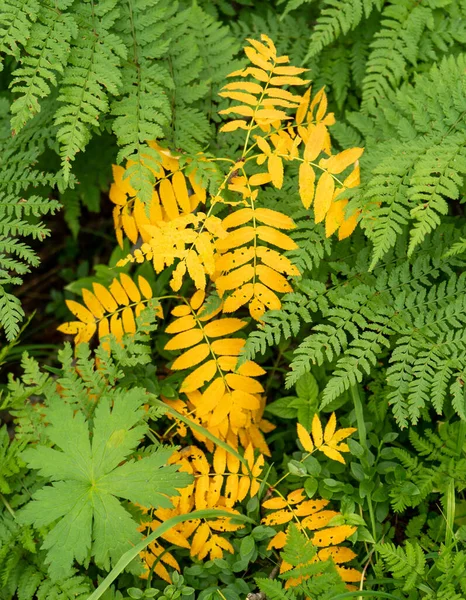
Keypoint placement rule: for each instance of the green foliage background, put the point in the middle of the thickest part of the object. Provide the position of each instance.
(377, 325)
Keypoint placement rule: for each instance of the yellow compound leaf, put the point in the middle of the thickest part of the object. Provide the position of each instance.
(274, 218)
(93, 304)
(315, 142)
(319, 519)
(235, 279)
(236, 238)
(333, 535)
(317, 432)
(272, 279)
(222, 327)
(307, 179)
(288, 80)
(305, 438)
(234, 125)
(200, 538)
(339, 554)
(244, 384)
(199, 377)
(240, 97)
(105, 297)
(191, 357)
(324, 195)
(274, 503)
(244, 86)
(278, 518)
(181, 324)
(186, 339)
(130, 287)
(338, 163)
(260, 179)
(118, 292)
(80, 311)
(127, 318)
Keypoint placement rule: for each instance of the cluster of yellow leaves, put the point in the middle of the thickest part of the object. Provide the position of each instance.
(111, 310)
(223, 399)
(217, 485)
(327, 441)
(316, 523)
(170, 198)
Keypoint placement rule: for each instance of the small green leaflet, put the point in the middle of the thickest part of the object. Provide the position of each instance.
(88, 478)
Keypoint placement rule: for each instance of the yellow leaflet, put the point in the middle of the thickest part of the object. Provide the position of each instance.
(222, 327)
(258, 74)
(322, 108)
(244, 111)
(79, 311)
(353, 178)
(236, 238)
(197, 299)
(339, 554)
(257, 59)
(263, 144)
(349, 575)
(191, 357)
(333, 535)
(298, 496)
(333, 454)
(243, 384)
(244, 86)
(289, 70)
(243, 487)
(72, 327)
(181, 324)
(276, 261)
(167, 197)
(231, 347)
(145, 287)
(286, 80)
(338, 163)
(93, 304)
(324, 195)
(199, 190)
(186, 339)
(200, 538)
(231, 490)
(274, 503)
(277, 238)
(260, 179)
(127, 318)
(181, 191)
(238, 298)
(315, 142)
(267, 53)
(116, 326)
(305, 439)
(278, 541)
(272, 279)
(129, 226)
(235, 278)
(220, 460)
(269, 114)
(212, 397)
(239, 217)
(215, 489)
(267, 297)
(319, 519)
(317, 432)
(274, 218)
(284, 95)
(348, 226)
(278, 518)
(234, 125)
(278, 102)
(104, 328)
(232, 260)
(335, 216)
(240, 96)
(199, 377)
(330, 428)
(307, 178)
(196, 270)
(118, 292)
(302, 108)
(275, 167)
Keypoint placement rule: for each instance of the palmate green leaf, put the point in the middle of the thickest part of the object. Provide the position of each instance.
(82, 504)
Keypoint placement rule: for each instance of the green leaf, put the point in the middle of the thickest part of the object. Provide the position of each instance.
(88, 480)
(283, 408)
(307, 388)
